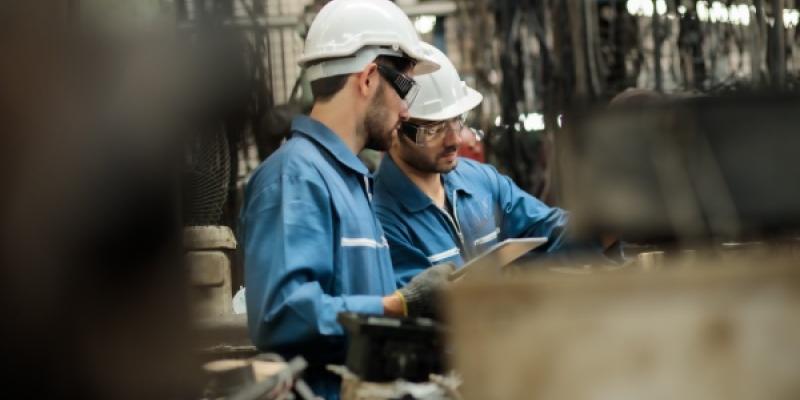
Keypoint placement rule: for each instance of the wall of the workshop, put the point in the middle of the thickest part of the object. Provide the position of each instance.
(286, 45)
(126, 14)
(282, 20)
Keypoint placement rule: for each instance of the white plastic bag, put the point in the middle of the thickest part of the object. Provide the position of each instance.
(240, 302)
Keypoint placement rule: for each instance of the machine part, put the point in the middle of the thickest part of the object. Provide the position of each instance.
(221, 337)
(210, 279)
(207, 171)
(228, 376)
(278, 384)
(651, 260)
(739, 251)
(437, 387)
(209, 268)
(685, 171)
(717, 331)
(384, 349)
(208, 238)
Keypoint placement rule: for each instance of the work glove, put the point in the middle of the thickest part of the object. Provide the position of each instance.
(420, 295)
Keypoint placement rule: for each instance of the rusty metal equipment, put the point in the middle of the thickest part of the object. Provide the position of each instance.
(209, 264)
(708, 332)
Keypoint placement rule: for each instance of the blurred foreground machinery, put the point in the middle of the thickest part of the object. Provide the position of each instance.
(207, 241)
(702, 170)
(709, 187)
(395, 358)
(707, 332)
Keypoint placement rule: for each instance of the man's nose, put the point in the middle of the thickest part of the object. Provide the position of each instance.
(453, 137)
(404, 113)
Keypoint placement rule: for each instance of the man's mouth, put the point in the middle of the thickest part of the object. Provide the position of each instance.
(450, 152)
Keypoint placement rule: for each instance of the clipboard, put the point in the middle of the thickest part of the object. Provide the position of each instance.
(498, 256)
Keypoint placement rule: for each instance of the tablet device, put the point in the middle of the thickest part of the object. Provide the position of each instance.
(498, 256)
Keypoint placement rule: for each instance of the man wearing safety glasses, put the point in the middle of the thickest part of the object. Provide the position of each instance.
(313, 246)
(436, 207)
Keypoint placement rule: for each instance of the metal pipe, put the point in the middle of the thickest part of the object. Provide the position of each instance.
(756, 43)
(778, 45)
(657, 41)
(575, 12)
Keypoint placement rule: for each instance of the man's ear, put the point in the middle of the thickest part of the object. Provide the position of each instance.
(367, 79)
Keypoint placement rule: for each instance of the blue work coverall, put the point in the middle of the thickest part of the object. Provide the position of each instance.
(313, 247)
(488, 208)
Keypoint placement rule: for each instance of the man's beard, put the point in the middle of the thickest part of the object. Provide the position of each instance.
(379, 136)
(422, 163)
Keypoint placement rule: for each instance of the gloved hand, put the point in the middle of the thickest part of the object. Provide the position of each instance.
(419, 295)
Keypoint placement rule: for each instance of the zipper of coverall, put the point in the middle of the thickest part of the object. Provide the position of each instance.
(366, 189)
(454, 223)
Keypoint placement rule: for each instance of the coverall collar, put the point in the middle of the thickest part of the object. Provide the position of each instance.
(318, 132)
(407, 193)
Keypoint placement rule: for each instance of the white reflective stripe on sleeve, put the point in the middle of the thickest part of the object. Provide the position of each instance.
(443, 255)
(487, 238)
(364, 242)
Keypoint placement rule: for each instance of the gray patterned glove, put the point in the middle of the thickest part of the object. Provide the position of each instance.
(419, 295)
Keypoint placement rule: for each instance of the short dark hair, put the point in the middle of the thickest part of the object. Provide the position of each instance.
(324, 88)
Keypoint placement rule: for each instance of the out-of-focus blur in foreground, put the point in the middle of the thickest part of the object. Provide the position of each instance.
(129, 129)
(93, 119)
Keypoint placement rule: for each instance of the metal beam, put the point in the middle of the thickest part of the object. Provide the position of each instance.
(281, 21)
(778, 45)
(437, 8)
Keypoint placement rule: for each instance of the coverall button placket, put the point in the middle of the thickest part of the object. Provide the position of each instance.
(453, 222)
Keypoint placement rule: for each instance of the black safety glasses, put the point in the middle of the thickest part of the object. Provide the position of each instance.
(405, 87)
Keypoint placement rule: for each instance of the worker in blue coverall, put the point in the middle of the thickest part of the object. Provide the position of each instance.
(436, 207)
(313, 246)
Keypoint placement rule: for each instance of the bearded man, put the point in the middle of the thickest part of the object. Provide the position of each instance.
(313, 246)
(436, 207)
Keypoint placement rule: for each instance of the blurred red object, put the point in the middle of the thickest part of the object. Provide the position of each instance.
(472, 144)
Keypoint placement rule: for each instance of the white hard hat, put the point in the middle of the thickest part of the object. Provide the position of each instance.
(349, 34)
(442, 94)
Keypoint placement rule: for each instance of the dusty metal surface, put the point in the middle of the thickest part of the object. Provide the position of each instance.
(438, 387)
(210, 274)
(707, 333)
(209, 268)
(208, 238)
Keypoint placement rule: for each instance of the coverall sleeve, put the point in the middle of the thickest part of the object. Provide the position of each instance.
(523, 215)
(407, 259)
(289, 250)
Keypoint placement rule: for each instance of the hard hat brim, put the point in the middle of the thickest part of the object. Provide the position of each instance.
(465, 104)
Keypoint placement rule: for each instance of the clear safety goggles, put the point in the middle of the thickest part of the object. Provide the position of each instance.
(422, 134)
